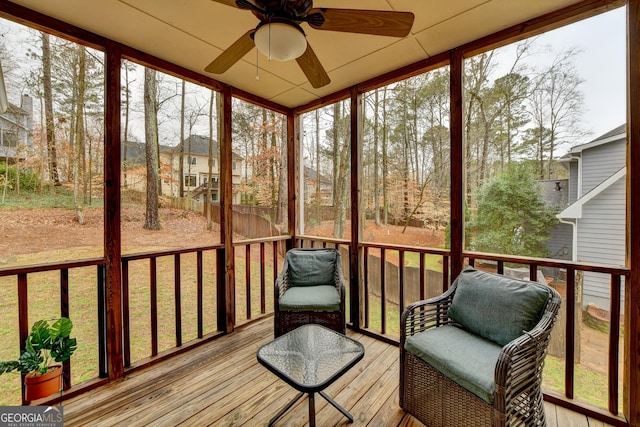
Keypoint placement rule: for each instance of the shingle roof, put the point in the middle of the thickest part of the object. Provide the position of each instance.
(616, 131)
(199, 147)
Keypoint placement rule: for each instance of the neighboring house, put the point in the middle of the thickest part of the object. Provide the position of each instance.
(134, 170)
(195, 173)
(311, 180)
(596, 213)
(16, 125)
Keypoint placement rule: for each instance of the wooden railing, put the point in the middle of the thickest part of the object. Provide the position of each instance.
(388, 288)
(156, 288)
(571, 269)
(173, 279)
(257, 286)
(392, 277)
(46, 291)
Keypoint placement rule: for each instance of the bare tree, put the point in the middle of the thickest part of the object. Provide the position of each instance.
(152, 218)
(207, 203)
(282, 217)
(127, 107)
(48, 107)
(341, 171)
(79, 133)
(181, 145)
(556, 106)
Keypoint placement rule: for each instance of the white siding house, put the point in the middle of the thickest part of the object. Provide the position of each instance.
(16, 125)
(195, 168)
(597, 197)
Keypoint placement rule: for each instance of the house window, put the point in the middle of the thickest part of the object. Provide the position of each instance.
(190, 180)
(214, 197)
(234, 165)
(9, 139)
(191, 160)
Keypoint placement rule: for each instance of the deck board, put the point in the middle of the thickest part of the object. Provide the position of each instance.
(222, 384)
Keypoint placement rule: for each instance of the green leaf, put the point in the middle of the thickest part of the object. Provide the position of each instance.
(63, 349)
(30, 361)
(40, 338)
(61, 328)
(9, 366)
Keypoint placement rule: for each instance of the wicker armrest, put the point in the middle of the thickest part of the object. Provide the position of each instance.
(426, 314)
(281, 284)
(520, 361)
(338, 278)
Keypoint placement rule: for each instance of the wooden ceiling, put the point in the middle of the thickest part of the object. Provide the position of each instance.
(191, 33)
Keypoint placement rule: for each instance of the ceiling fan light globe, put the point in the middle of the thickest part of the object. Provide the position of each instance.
(280, 41)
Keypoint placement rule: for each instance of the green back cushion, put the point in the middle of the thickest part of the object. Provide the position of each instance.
(311, 267)
(497, 307)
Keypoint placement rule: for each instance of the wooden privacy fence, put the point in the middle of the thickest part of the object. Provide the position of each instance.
(433, 287)
(248, 221)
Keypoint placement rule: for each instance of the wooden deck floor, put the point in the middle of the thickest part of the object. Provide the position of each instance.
(222, 384)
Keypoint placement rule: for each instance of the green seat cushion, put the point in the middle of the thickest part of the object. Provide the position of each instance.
(311, 267)
(464, 358)
(311, 298)
(497, 307)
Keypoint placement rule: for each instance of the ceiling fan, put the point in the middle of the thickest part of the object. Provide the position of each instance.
(279, 35)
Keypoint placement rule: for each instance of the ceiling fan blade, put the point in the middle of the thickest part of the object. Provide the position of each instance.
(312, 68)
(233, 54)
(231, 3)
(376, 22)
(240, 4)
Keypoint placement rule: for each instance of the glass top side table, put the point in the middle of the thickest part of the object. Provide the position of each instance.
(309, 359)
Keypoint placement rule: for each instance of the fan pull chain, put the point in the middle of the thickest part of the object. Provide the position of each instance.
(269, 41)
(257, 67)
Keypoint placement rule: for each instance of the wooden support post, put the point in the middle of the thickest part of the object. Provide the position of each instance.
(356, 223)
(631, 393)
(293, 141)
(112, 232)
(226, 209)
(457, 162)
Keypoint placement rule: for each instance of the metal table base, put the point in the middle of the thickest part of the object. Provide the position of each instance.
(312, 408)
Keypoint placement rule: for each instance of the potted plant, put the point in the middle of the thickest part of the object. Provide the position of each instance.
(49, 342)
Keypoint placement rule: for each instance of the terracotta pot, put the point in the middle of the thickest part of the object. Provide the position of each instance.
(39, 386)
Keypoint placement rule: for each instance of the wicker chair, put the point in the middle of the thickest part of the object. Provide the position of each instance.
(310, 289)
(512, 368)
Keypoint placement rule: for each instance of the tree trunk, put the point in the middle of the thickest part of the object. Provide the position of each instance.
(181, 147)
(48, 108)
(79, 134)
(207, 203)
(341, 173)
(152, 218)
(272, 168)
(317, 166)
(283, 189)
(385, 162)
(376, 136)
(125, 140)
